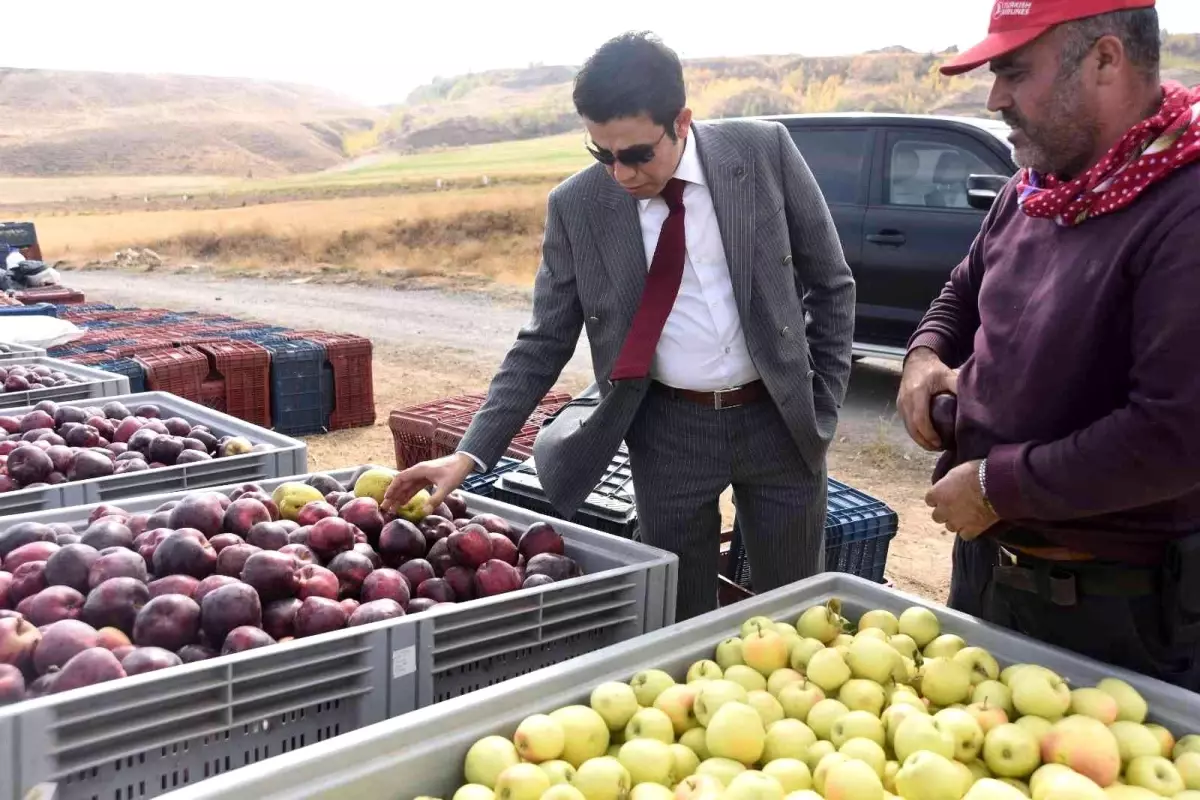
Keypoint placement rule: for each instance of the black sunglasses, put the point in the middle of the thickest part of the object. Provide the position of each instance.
(634, 156)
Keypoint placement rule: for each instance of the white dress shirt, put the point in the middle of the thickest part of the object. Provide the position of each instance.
(702, 345)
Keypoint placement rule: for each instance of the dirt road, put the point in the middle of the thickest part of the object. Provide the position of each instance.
(433, 343)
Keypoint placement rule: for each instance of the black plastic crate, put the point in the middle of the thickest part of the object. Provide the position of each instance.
(128, 367)
(483, 483)
(299, 404)
(610, 507)
(858, 530)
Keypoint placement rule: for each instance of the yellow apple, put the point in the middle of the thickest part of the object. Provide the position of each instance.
(804, 794)
(920, 623)
(753, 785)
(677, 703)
(788, 738)
(713, 695)
(755, 624)
(700, 787)
(783, 677)
(1091, 702)
(828, 670)
(802, 651)
(817, 753)
(1134, 739)
(982, 664)
(603, 778)
(1068, 785)
(651, 723)
(649, 791)
(704, 670)
(1020, 786)
(1131, 706)
(1044, 775)
(889, 776)
(539, 738)
(867, 751)
(736, 732)
(765, 651)
(857, 724)
(926, 775)
(723, 769)
(967, 734)
(823, 768)
(1038, 695)
(616, 703)
(562, 791)
(694, 741)
(853, 780)
(648, 761)
(979, 770)
(992, 789)
(904, 644)
(1087, 746)
(1010, 751)
(872, 633)
(766, 705)
(824, 714)
(747, 677)
(1121, 791)
(919, 732)
(823, 623)
(944, 646)
(1156, 774)
(996, 694)
(894, 715)
(945, 681)
(882, 619)
(1165, 738)
(792, 774)
(649, 684)
(729, 652)
(1037, 727)
(684, 761)
(988, 716)
(473, 791)
(522, 782)
(798, 699)
(558, 771)
(1186, 744)
(585, 734)
(487, 758)
(862, 695)
(1188, 765)
(872, 659)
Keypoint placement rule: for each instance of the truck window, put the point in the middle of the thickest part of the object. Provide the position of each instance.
(836, 158)
(930, 170)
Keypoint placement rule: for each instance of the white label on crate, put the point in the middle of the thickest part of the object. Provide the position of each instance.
(404, 662)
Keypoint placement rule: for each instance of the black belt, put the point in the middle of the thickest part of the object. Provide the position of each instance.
(1062, 582)
(723, 398)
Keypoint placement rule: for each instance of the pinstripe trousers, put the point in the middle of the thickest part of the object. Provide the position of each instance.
(683, 456)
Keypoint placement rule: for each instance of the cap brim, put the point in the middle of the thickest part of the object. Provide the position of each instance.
(994, 46)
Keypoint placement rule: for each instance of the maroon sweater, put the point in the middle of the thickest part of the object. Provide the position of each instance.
(1079, 351)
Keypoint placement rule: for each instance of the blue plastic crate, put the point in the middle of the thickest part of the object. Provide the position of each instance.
(298, 391)
(482, 483)
(33, 310)
(256, 334)
(858, 530)
(129, 368)
(82, 308)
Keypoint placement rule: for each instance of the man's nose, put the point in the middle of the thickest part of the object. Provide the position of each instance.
(999, 97)
(623, 173)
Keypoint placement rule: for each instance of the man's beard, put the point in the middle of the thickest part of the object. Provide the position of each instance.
(1064, 143)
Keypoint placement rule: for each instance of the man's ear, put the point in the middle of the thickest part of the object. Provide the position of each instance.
(1109, 57)
(682, 123)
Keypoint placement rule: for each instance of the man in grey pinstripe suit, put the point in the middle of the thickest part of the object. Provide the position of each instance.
(719, 309)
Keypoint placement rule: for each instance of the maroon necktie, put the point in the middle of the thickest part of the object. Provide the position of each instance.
(658, 296)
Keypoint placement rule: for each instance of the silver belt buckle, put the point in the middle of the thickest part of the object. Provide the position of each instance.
(719, 394)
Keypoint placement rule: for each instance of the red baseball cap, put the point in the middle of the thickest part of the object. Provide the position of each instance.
(1016, 23)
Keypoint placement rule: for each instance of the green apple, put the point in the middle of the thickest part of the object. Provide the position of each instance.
(704, 670)
(1068, 785)
(1044, 775)
(968, 735)
(817, 753)
(982, 664)
(994, 693)
(854, 780)
(843, 640)
(585, 734)
(765, 651)
(1091, 702)
(872, 633)
(616, 703)
(920, 623)
(1037, 727)
(1009, 672)
(729, 652)
(723, 769)
(919, 732)
(487, 758)
(792, 774)
(473, 791)
(558, 771)
(781, 678)
(753, 785)
(1011, 751)
(1134, 740)
(649, 684)
(788, 738)
(1087, 746)
(766, 705)
(747, 677)
(798, 699)
(894, 715)
(787, 630)
(945, 681)
(828, 670)
(603, 778)
(979, 770)
(713, 695)
(1165, 739)
(824, 714)
(988, 716)
(755, 624)
(678, 702)
(823, 769)
(684, 761)
(1131, 706)
(1188, 765)
(857, 724)
(1156, 774)
(823, 623)
(1035, 694)
(1019, 785)
(1122, 791)
(926, 775)
(908, 698)
(992, 789)
(944, 646)
(736, 731)
(648, 761)
(694, 741)
(651, 723)
(862, 695)
(872, 659)
(803, 651)
(1187, 794)
(904, 644)
(522, 782)
(882, 619)
(539, 738)
(1186, 744)
(650, 791)
(701, 786)
(867, 751)
(562, 791)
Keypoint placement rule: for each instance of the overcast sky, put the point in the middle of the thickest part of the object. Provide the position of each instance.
(378, 51)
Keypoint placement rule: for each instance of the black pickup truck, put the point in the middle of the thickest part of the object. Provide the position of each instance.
(908, 194)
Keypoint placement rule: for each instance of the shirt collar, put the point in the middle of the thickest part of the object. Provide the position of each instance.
(689, 168)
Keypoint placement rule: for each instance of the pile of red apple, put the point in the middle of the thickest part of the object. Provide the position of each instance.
(22, 378)
(212, 574)
(55, 443)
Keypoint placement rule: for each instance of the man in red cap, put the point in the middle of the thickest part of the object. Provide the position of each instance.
(1069, 334)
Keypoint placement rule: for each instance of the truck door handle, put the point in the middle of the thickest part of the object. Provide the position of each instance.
(887, 237)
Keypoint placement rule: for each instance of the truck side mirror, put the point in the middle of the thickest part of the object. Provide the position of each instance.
(982, 190)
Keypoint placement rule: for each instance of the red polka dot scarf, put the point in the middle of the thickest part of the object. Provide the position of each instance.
(1149, 152)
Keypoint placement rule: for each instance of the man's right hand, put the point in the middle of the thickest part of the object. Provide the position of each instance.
(924, 376)
(444, 474)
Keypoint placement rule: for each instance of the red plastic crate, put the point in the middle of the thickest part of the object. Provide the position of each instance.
(245, 372)
(49, 294)
(413, 427)
(450, 431)
(179, 370)
(354, 388)
(213, 395)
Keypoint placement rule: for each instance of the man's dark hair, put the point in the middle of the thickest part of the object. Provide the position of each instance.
(631, 74)
(1136, 28)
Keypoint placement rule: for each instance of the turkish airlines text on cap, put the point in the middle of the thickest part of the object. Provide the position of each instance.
(1016, 23)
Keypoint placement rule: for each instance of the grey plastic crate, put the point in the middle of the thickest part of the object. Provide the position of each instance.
(144, 736)
(289, 457)
(20, 351)
(96, 383)
(422, 753)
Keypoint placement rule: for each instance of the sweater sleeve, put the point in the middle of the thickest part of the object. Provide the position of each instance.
(948, 327)
(1147, 450)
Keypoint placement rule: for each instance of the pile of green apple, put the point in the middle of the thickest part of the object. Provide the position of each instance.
(811, 710)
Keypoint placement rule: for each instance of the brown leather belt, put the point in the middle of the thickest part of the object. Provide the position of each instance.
(724, 398)
(1061, 582)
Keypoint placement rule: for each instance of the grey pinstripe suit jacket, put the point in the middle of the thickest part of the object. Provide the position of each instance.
(794, 292)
